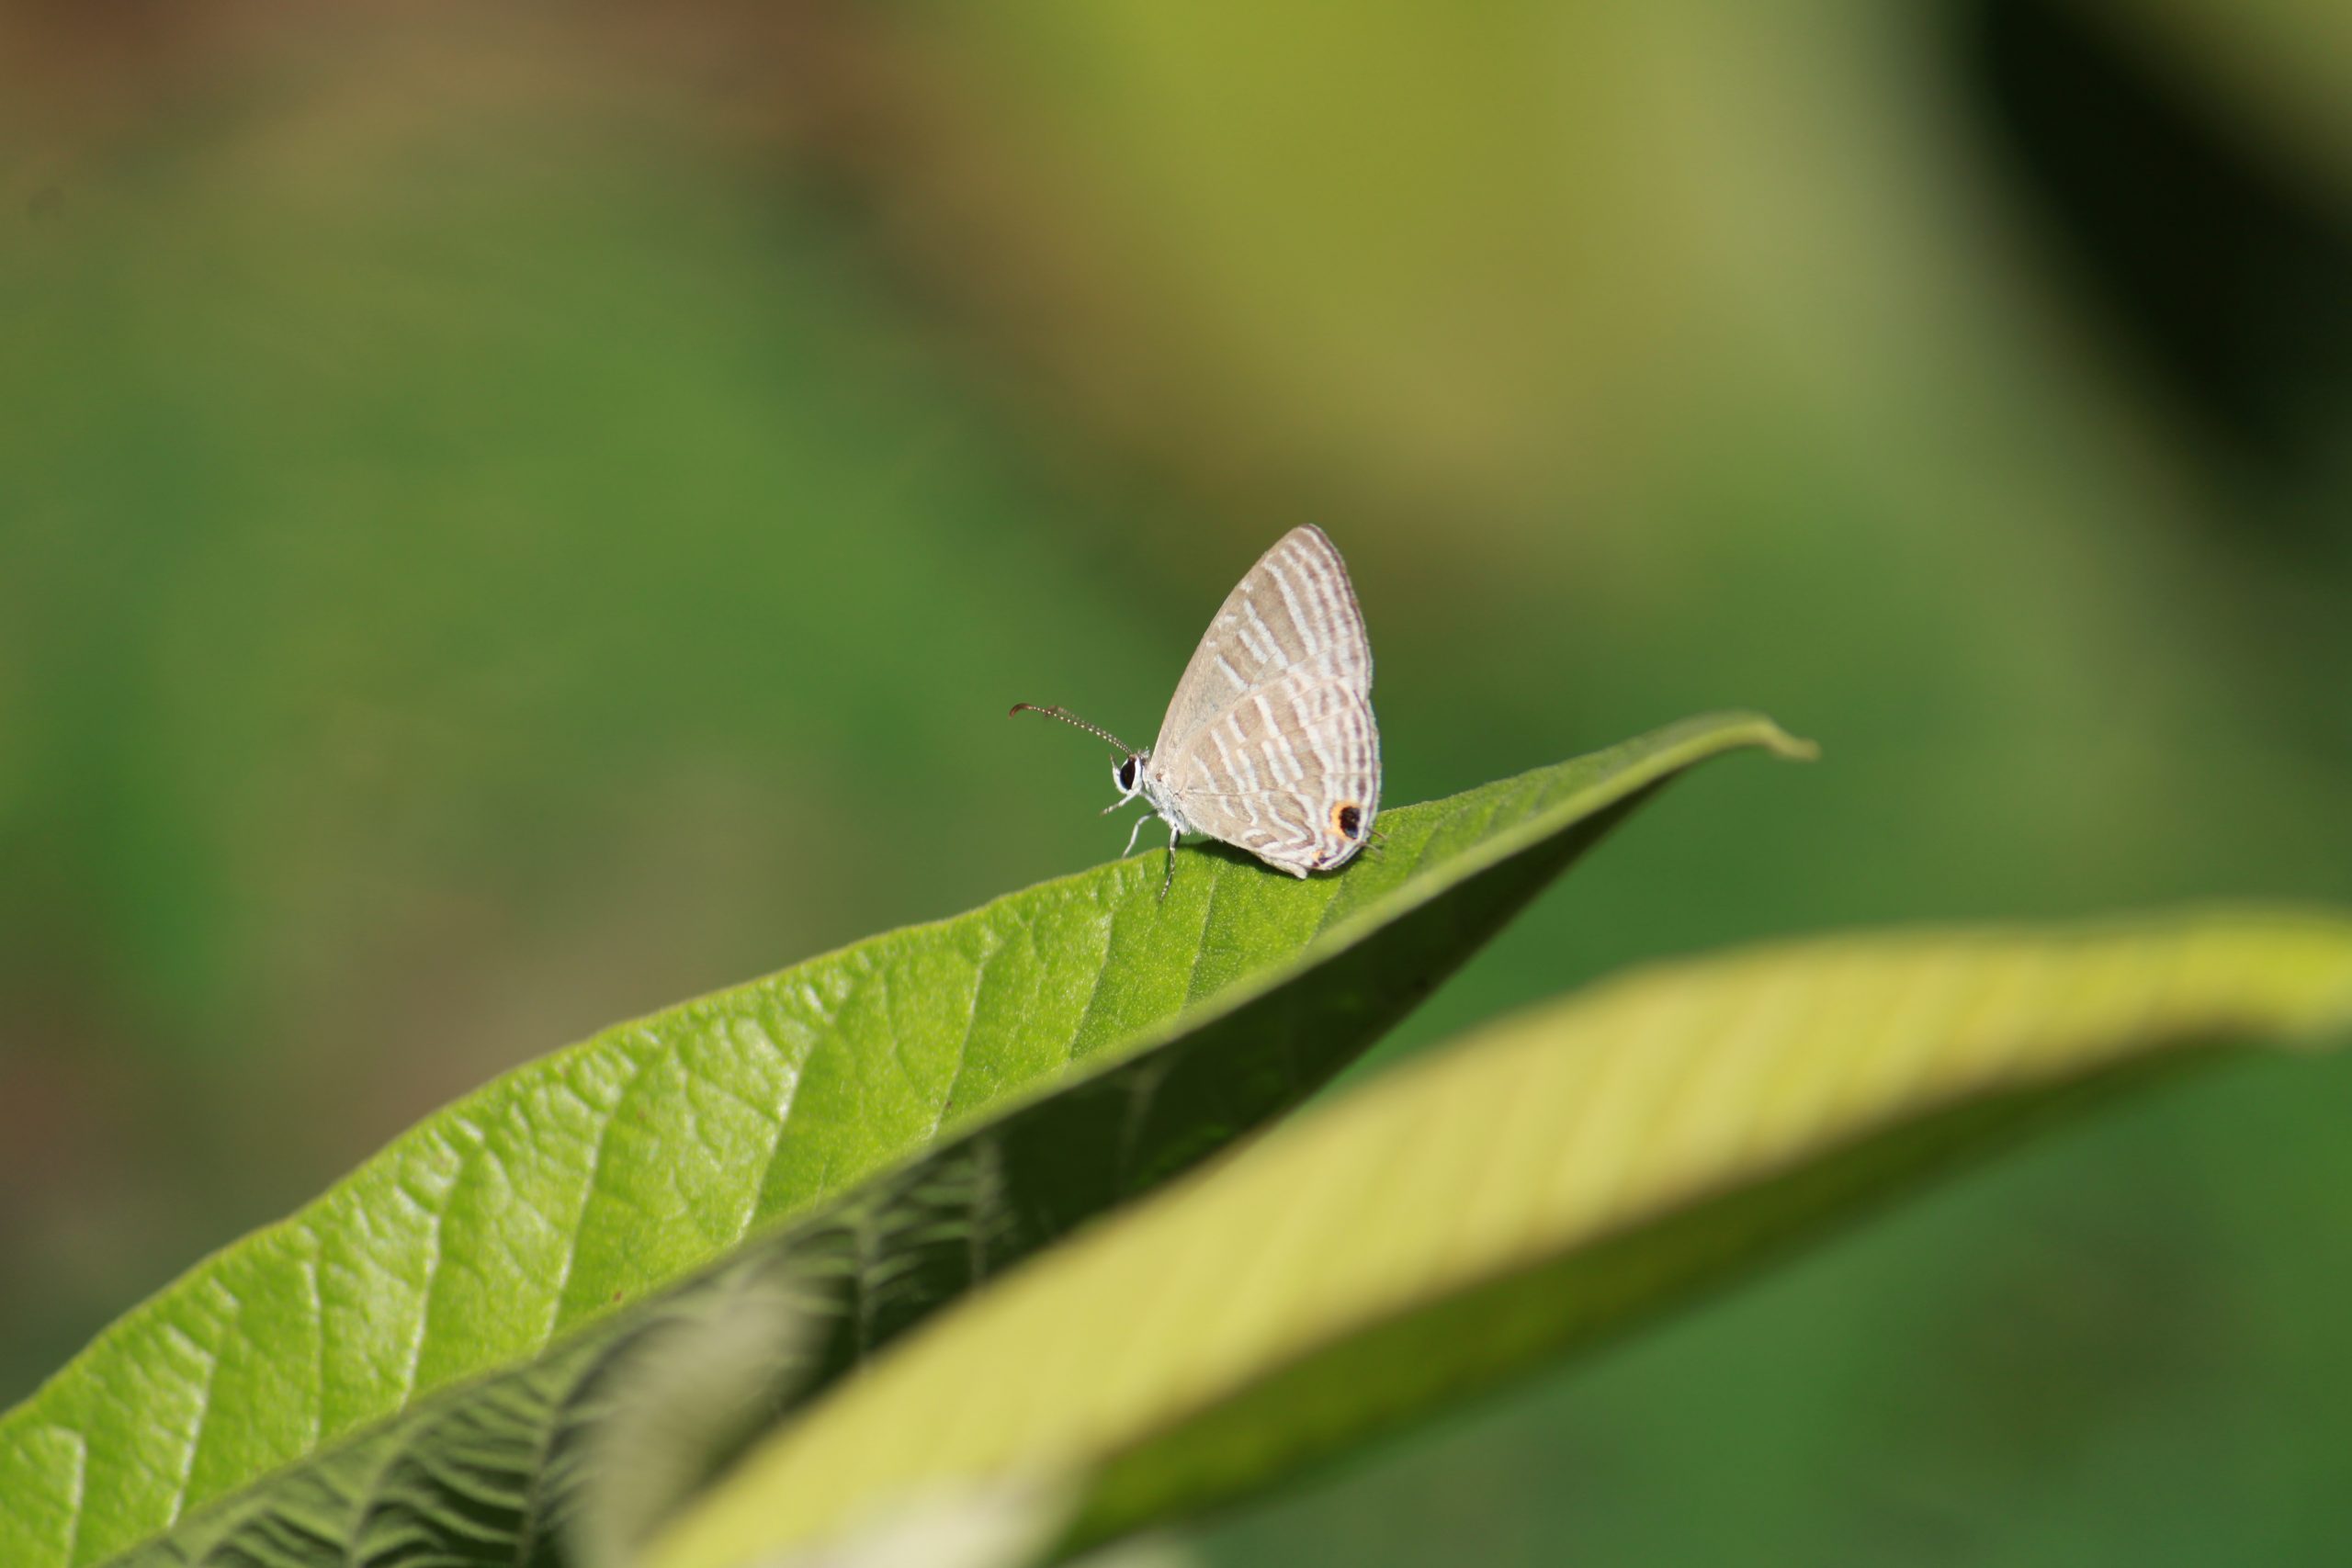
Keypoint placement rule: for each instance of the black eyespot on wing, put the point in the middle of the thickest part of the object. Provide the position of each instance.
(1348, 820)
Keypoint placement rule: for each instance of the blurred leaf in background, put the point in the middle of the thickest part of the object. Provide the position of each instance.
(510, 517)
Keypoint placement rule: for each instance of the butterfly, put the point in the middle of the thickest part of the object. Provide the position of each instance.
(1269, 744)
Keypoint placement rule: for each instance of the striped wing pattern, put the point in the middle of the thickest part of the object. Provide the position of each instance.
(1294, 610)
(1290, 772)
(1269, 742)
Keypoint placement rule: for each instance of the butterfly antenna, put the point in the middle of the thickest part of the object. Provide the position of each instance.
(1068, 718)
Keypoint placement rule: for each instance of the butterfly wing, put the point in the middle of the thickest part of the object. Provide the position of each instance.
(1269, 742)
(1294, 610)
(1290, 772)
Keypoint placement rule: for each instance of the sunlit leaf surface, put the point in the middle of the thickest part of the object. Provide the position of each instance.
(1564, 1175)
(591, 1177)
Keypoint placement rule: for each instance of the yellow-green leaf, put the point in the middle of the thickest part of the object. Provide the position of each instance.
(1561, 1174)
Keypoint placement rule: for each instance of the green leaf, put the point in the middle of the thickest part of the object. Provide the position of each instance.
(1559, 1177)
(508, 1222)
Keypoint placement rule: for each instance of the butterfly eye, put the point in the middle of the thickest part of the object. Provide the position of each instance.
(1125, 775)
(1347, 819)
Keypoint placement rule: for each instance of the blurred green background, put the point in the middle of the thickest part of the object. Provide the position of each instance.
(514, 514)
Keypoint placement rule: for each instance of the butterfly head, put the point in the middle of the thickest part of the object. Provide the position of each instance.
(1127, 773)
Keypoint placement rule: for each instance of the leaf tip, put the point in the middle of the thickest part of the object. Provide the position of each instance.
(1762, 730)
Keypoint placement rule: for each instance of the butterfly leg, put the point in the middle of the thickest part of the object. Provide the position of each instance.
(1134, 836)
(1168, 881)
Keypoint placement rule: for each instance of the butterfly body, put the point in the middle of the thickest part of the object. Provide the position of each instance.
(1269, 743)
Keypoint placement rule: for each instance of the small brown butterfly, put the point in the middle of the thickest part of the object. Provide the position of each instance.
(1268, 744)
